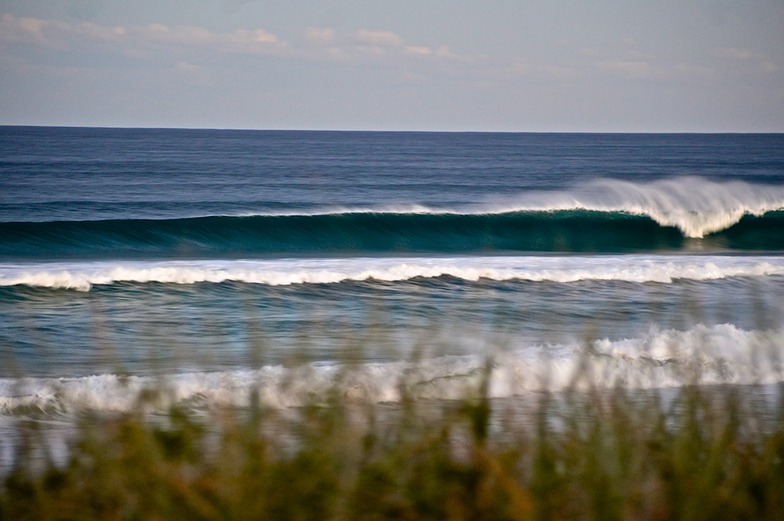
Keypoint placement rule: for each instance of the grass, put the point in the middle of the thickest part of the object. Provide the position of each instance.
(693, 454)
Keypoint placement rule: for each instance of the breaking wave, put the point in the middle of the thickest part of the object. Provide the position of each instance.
(721, 354)
(604, 216)
(561, 269)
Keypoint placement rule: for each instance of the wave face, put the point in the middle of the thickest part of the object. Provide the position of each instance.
(357, 233)
(600, 216)
(706, 355)
(630, 268)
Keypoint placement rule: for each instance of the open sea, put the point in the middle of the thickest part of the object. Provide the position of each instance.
(288, 263)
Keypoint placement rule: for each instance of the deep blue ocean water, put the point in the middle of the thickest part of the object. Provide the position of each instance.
(289, 262)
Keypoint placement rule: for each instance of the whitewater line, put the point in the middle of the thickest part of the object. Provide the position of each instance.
(721, 354)
(82, 276)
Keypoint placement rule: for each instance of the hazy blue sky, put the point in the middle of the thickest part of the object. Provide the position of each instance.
(540, 65)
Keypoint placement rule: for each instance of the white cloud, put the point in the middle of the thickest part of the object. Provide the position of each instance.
(31, 26)
(631, 69)
(519, 68)
(364, 44)
(419, 51)
(695, 71)
(320, 35)
(187, 67)
(25, 30)
(442, 51)
(560, 72)
(735, 54)
(65, 35)
(317, 42)
(758, 61)
(378, 38)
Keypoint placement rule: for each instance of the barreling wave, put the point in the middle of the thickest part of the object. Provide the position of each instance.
(358, 233)
(601, 216)
(721, 354)
(83, 276)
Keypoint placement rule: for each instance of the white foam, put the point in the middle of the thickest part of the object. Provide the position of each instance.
(657, 359)
(694, 205)
(564, 269)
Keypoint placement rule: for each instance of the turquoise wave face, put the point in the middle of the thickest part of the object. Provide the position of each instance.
(377, 233)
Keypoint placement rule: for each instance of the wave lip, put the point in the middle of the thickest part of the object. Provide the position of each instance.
(721, 354)
(694, 205)
(561, 269)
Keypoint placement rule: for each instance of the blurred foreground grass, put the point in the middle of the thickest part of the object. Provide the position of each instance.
(697, 453)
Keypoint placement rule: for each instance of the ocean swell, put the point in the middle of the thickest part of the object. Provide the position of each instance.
(600, 216)
(369, 233)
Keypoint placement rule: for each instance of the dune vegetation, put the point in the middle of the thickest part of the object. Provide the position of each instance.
(690, 453)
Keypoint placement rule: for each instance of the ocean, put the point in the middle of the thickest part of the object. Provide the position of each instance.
(290, 264)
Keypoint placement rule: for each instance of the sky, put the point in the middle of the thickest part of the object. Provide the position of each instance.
(455, 65)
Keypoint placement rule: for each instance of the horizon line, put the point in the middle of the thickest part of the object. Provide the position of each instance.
(400, 131)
